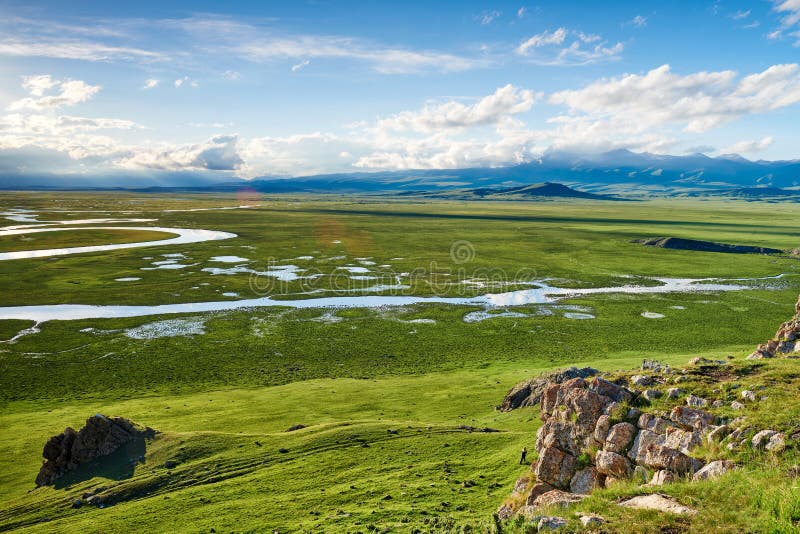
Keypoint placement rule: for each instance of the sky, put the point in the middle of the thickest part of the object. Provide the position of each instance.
(255, 89)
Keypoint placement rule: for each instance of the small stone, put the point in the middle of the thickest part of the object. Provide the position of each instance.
(169, 464)
(718, 403)
(651, 394)
(760, 439)
(592, 520)
(777, 443)
(736, 405)
(696, 402)
(748, 395)
(551, 523)
(718, 433)
(77, 503)
(661, 503)
(641, 380)
(640, 474)
(557, 498)
(674, 393)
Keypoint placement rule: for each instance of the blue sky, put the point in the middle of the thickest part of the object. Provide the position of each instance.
(270, 89)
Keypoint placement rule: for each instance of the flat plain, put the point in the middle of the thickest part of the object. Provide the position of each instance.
(389, 396)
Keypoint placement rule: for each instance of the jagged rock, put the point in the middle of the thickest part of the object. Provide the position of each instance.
(550, 523)
(674, 393)
(641, 380)
(683, 440)
(555, 467)
(557, 498)
(619, 437)
(521, 485)
(540, 488)
(592, 520)
(610, 390)
(777, 443)
(99, 437)
(613, 464)
(736, 405)
(661, 457)
(699, 360)
(696, 402)
(643, 439)
(653, 423)
(656, 501)
(585, 480)
(718, 403)
(663, 476)
(717, 433)
(691, 418)
(505, 512)
(530, 392)
(762, 438)
(749, 395)
(651, 394)
(713, 470)
(601, 428)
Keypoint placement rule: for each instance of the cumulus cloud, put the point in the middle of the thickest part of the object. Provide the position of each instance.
(568, 47)
(219, 153)
(503, 103)
(68, 93)
(698, 101)
(150, 83)
(749, 147)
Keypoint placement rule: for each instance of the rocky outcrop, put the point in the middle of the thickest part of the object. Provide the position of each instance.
(786, 340)
(678, 243)
(529, 393)
(99, 437)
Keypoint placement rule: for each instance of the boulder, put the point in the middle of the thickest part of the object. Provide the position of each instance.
(550, 523)
(613, 464)
(643, 439)
(591, 520)
(749, 395)
(736, 405)
(619, 437)
(660, 457)
(555, 467)
(717, 433)
(641, 380)
(601, 428)
(683, 440)
(674, 393)
(557, 498)
(663, 476)
(521, 485)
(585, 480)
(529, 393)
(760, 439)
(651, 394)
(538, 489)
(653, 423)
(99, 437)
(656, 501)
(776, 443)
(610, 390)
(696, 402)
(713, 470)
(691, 418)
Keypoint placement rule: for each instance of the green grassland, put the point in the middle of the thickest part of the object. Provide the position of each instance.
(82, 238)
(224, 399)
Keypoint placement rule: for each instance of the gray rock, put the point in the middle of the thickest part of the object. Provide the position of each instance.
(717, 433)
(663, 476)
(641, 380)
(691, 418)
(601, 428)
(651, 394)
(642, 440)
(585, 480)
(592, 520)
(683, 440)
(557, 498)
(696, 402)
(718, 403)
(749, 395)
(762, 438)
(736, 405)
(550, 523)
(777, 443)
(619, 437)
(613, 464)
(713, 470)
(653, 423)
(661, 503)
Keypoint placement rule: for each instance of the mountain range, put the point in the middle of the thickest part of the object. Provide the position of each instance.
(602, 172)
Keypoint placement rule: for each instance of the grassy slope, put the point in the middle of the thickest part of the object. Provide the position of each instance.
(205, 393)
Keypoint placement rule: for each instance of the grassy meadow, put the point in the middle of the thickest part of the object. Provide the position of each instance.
(389, 397)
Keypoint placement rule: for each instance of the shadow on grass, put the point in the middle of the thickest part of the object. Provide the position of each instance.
(119, 465)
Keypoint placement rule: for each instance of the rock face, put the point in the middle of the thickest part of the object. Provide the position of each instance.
(529, 393)
(786, 340)
(100, 436)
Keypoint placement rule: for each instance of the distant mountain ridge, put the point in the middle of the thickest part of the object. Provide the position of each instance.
(649, 171)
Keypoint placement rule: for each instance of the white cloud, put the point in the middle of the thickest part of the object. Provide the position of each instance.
(639, 21)
(180, 81)
(492, 109)
(521, 12)
(551, 48)
(220, 153)
(150, 83)
(698, 101)
(790, 11)
(71, 49)
(69, 93)
(231, 75)
(298, 66)
(741, 14)
(487, 17)
(749, 147)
